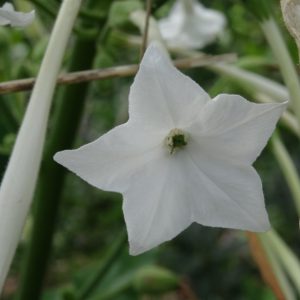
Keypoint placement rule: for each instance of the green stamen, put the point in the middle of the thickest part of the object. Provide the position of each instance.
(175, 140)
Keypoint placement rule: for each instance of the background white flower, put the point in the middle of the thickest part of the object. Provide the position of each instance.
(8, 16)
(205, 177)
(191, 25)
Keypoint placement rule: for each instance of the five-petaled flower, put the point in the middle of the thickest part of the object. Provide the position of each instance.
(181, 157)
(190, 25)
(8, 16)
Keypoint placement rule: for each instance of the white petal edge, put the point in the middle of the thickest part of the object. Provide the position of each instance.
(230, 195)
(155, 208)
(161, 96)
(234, 128)
(110, 161)
(167, 195)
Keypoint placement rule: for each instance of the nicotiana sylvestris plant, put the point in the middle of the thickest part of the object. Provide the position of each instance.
(8, 16)
(181, 157)
(19, 180)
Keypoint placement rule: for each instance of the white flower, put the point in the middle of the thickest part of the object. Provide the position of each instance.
(190, 25)
(181, 157)
(8, 16)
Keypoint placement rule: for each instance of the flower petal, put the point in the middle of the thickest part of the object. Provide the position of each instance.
(191, 25)
(5, 7)
(229, 195)
(109, 162)
(161, 96)
(232, 127)
(156, 207)
(170, 193)
(18, 19)
(170, 26)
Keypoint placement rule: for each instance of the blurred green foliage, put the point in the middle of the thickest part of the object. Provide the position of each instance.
(216, 264)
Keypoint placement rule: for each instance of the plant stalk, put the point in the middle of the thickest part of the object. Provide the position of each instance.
(69, 109)
(19, 180)
(288, 70)
(288, 169)
(287, 258)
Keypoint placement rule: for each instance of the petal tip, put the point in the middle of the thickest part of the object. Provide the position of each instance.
(262, 226)
(155, 53)
(59, 157)
(135, 250)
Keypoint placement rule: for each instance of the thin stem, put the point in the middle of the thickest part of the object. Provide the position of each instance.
(264, 265)
(285, 255)
(87, 34)
(288, 168)
(108, 261)
(48, 195)
(145, 34)
(113, 72)
(290, 76)
(278, 270)
(84, 13)
(91, 15)
(67, 115)
(248, 79)
(252, 81)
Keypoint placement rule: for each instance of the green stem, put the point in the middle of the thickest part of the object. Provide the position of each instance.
(285, 255)
(288, 168)
(84, 34)
(19, 181)
(277, 269)
(91, 15)
(252, 81)
(108, 261)
(285, 62)
(7, 117)
(67, 117)
(84, 13)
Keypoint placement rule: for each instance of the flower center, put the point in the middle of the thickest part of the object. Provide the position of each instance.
(176, 139)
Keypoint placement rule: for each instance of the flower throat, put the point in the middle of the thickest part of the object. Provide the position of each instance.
(175, 140)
